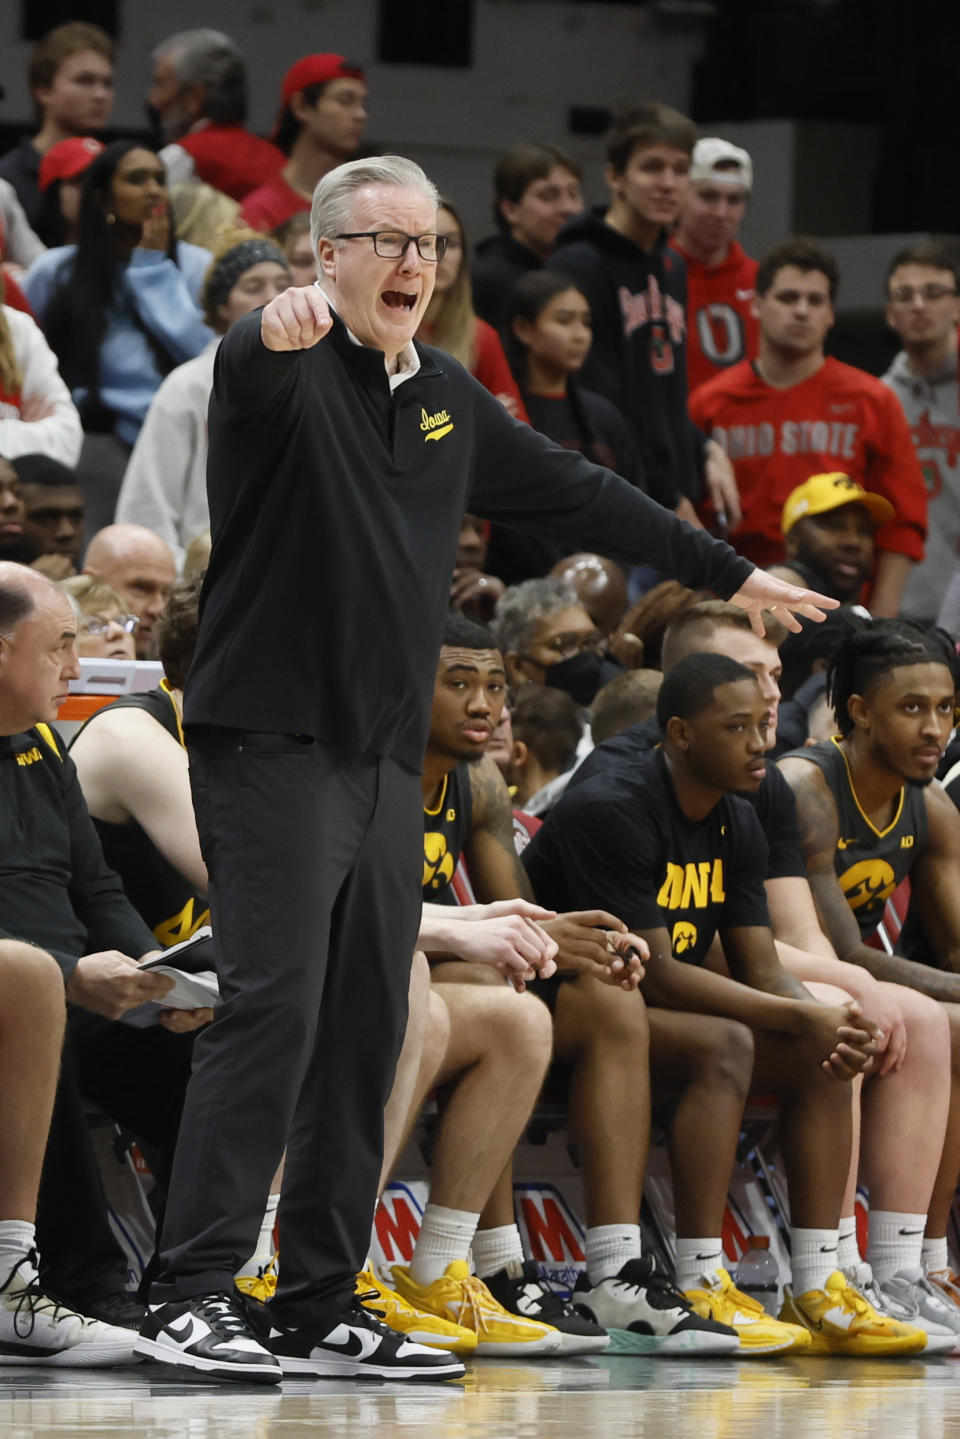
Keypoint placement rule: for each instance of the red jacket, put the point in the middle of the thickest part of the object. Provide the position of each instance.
(270, 204)
(722, 329)
(840, 418)
(230, 159)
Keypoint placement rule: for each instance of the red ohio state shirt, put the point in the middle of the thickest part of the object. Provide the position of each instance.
(840, 418)
(722, 329)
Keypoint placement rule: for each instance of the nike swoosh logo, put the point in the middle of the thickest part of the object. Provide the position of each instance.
(438, 434)
(352, 1348)
(185, 1330)
(911, 1233)
(744, 294)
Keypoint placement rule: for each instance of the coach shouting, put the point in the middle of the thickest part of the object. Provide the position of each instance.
(342, 457)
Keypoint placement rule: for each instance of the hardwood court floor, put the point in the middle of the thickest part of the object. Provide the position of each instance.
(503, 1399)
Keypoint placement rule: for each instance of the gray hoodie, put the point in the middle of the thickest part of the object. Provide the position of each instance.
(932, 407)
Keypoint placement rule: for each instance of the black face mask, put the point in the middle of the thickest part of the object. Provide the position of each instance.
(581, 675)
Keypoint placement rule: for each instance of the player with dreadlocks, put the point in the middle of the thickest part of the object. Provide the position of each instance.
(871, 814)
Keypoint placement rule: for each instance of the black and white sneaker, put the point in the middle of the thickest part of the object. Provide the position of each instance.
(520, 1288)
(645, 1314)
(357, 1345)
(210, 1333)
(37, 1329)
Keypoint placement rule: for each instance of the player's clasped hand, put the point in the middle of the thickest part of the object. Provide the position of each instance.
(849, 1038)
(296, 319)
(595, 942)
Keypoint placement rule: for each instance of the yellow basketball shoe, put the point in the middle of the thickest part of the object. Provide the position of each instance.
(759, 1332)
(414, 1324)
(262, 1285)
(462, 1297)
(841, 1321)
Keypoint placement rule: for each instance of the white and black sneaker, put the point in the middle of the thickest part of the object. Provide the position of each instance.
(356, 1345)
(209, 1333)
(37, 1329)
(644, 1313)
(520, 1289)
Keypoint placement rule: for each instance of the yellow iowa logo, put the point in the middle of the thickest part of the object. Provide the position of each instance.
(869, 881)
(438, 865)
(435, 426)
(29, 756)
(684, 936)
(692, 884)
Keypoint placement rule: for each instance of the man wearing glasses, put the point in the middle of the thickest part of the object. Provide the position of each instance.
(923, 309)
(306, 717)
(795, 412)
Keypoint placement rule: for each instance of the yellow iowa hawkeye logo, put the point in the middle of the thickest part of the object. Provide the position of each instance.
(435, 426)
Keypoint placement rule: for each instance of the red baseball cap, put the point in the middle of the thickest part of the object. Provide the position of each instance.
(317, 70)
(67, 159)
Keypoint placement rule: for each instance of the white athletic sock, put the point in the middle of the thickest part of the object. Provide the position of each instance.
(608, 1248)
(494, 1249)
(445, 1235)
(264, 1251)
(896, 1242)
(934, 1256)
(17, 1238)
(848, 1250)
(814, 1257)
(696, 1257)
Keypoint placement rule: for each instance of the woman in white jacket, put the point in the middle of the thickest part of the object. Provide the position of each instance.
(37, 415)
(165, 485)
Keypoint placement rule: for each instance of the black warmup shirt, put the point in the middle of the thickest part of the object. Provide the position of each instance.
(620, 842)
(335, 507)
(445, 829)
(56, 889)
(775, 806)
(158, 891)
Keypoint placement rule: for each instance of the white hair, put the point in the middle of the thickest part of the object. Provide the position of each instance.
(333, 197)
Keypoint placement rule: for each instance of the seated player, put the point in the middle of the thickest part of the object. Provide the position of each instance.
(904, 1109)
(132, 767)
(870, 815)
(35, 1328)
(600, 1032)
(491, 1101)
(670, 842)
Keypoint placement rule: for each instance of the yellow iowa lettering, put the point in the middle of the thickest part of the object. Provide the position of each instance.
(29, 756)
(435, 426)
(692, 885)
(180, 926)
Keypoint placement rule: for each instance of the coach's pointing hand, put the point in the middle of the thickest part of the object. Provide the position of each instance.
(296, 319)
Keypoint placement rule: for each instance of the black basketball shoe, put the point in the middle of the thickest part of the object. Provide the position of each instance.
(210, 1333)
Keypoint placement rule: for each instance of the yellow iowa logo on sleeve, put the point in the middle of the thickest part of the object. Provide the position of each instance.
(435, 426)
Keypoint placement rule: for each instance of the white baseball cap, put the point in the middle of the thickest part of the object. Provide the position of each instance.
(711, 152)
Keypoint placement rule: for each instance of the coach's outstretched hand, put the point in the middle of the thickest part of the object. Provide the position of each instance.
(295, 319)
(765, 592)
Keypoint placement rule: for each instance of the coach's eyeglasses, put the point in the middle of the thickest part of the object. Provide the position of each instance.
(392, 244)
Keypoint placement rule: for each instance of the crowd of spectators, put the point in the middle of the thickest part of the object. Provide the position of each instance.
(596, 702)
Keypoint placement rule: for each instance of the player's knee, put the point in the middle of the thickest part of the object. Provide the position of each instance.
(724, 1060)
(28, 973)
